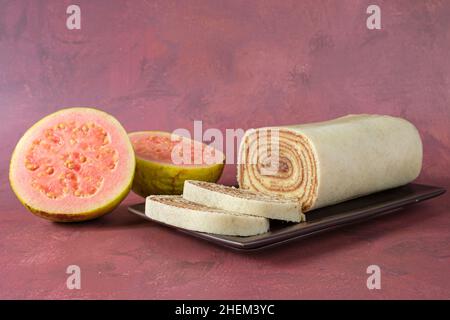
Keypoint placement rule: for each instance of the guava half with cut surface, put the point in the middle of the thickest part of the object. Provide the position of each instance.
(165, 160)
(73, 165)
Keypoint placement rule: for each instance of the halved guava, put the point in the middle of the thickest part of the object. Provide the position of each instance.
(165, 160)
(73, 165)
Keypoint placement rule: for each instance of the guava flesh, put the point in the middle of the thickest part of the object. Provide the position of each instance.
(164, 147)
(70, 159)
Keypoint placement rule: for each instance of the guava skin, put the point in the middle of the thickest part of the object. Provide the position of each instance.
(153, 178)
(79, 217)
(160, 177)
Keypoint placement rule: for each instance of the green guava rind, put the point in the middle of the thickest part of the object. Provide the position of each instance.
(81, 216)
(153, 178)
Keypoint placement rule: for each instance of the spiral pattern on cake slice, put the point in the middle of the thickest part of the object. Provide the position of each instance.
(295, 171)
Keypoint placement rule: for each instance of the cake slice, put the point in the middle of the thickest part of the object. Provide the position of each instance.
(181, 213)
(242, 201)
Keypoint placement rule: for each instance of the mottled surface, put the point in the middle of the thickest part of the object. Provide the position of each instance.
(233, 64)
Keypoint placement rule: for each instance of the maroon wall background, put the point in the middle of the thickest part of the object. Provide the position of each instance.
(159, 65)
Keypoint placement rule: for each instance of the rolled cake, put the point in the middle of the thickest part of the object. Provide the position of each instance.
(178, 212)
(329, 162)
(242, 201)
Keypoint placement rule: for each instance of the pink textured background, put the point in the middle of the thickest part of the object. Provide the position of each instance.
(160, 65)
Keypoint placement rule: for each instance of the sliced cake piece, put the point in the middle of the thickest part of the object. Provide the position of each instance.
(178, 212)
(242, 201)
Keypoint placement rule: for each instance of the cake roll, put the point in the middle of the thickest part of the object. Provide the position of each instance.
(325, 163)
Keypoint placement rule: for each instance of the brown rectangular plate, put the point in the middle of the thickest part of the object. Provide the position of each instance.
(319, 220)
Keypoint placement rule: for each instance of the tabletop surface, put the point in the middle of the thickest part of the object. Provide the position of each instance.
(123, 256)
(160, 65)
